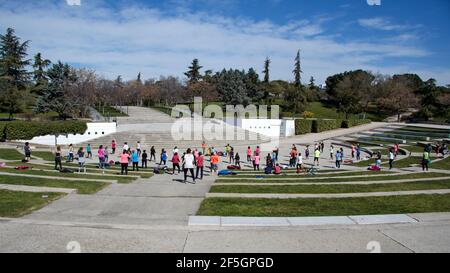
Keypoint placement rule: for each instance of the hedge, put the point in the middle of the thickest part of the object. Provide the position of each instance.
(322, 125)
(306, 126)
(24, 130)
(303, 126)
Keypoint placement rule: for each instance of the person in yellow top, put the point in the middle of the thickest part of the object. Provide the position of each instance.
(316, 156)
(425, 161)
(214, 163)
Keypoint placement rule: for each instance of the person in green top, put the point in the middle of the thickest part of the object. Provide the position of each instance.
(316, 156)
(425, 161)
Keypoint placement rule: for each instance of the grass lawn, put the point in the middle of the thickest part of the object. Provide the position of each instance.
(48, 156)
(111, 111)
(91, 168)
(83, 187)
(243, 175)
(414, 148)
(11, 154)
(313, 189)
(424, 129)
(443, 164)
(401, 163)
(17, 204)
(305, 179)
(324, 207)
(41, 172)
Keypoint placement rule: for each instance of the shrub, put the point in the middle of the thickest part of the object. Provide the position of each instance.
(303, 126)
(307, 114)
(322, 125)
(23, 130)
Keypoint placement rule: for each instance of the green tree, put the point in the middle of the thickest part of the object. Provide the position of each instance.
(58, 94)
(40, 74)
(193, 74)
(266, 70)
(294, 100)
(253, 85)
(231, 87)
(14, 78)
(297, 71)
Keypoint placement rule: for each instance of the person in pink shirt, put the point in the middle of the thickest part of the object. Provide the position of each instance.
(258, 150)
(196, 153)
(256, 161)
(199, 161)
(113, 146)
(124, 159)
(249, 154)
(101, 157)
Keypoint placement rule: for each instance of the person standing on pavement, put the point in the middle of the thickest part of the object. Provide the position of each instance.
(188, 165)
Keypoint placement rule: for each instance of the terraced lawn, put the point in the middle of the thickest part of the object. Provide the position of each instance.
(48, 156)
(335, 179)
(324, 207)
(17, 204)
(120, 179)
(10, 154)
(108, 172)
(313, 189)
(442, 164)
(303, 175)
(83, 187)
(400, 163)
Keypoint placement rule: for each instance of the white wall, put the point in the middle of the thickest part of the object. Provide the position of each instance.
(269, 127)
(94, 130)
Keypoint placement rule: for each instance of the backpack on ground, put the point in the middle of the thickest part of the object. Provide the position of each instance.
(268, 170)
(66, 170)
(24, 161)
(22, 168)
(226, 172)
(233, 167)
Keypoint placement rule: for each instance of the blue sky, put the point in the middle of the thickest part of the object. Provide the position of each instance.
(162, 37)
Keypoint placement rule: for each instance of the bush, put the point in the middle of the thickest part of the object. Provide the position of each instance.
(303, 126)
(322, 125)
(307, 114)
(354, 122)
(306, 126)
(25, 130)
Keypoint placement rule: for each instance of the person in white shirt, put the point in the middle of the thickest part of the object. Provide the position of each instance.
(299, 162)
(125, 147)
(139, 148)
(331, 151)
(175, 150)
(391, 159)
(188, 164)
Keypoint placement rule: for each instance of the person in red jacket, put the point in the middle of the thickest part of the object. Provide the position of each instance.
(176, 163)
(199, 161)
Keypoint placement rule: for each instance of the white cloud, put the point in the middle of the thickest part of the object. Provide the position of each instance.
(73, 2)
(136, 39)
(382, 23)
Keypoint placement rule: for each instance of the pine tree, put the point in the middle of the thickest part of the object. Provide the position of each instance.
(40, 74)
(193, 74)
(297, 70)
(267, 70)
(139, 78)
(14, 77)
(252, 84)
(56, 93)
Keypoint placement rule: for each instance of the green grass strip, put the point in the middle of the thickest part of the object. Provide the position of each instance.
(120, 179)
(311, 179)
(11, 154)
(314, 189)
(17, 203)
(324, 207)
(83, 187)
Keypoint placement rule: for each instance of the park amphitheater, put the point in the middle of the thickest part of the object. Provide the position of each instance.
(332, 210)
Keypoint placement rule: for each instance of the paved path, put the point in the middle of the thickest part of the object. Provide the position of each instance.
(58, 177)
